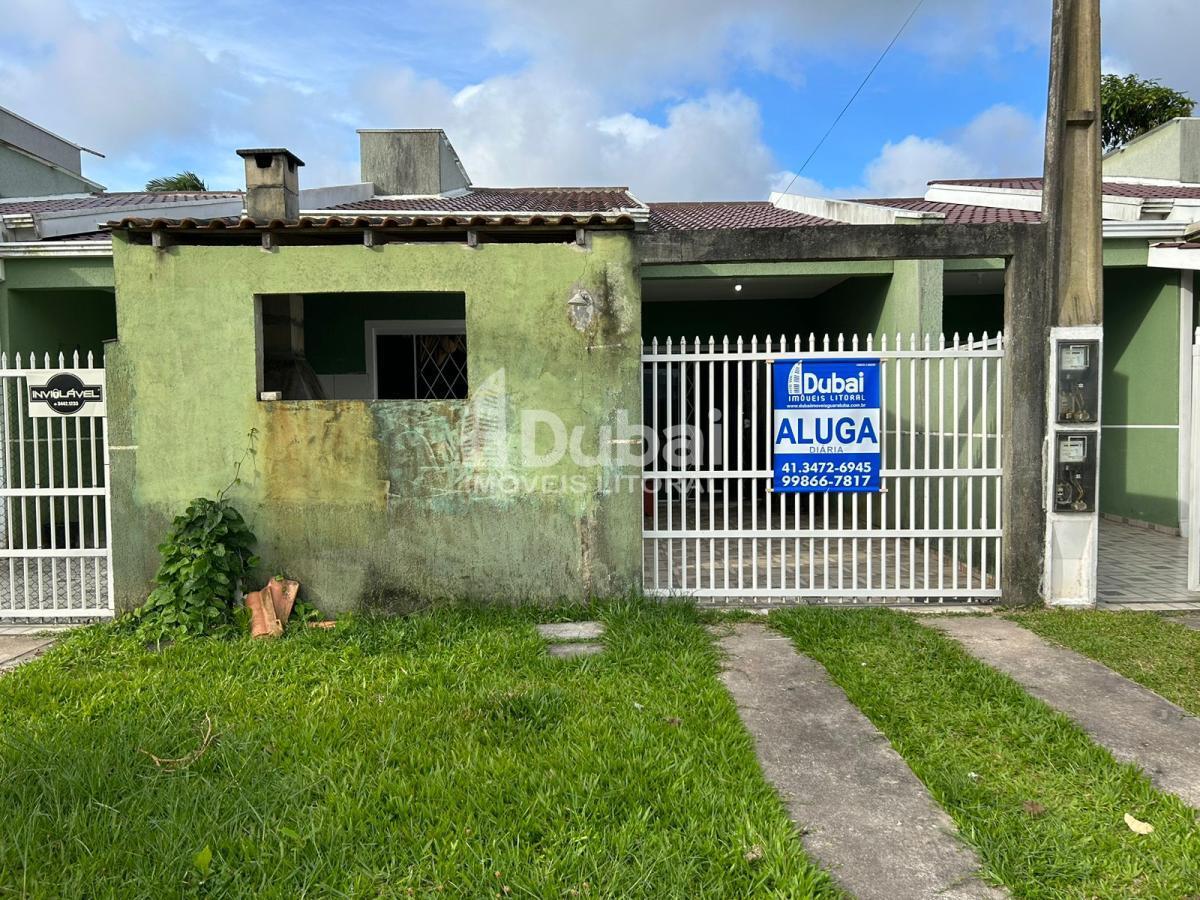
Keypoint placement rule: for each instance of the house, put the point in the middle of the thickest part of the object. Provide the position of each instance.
(446, 382)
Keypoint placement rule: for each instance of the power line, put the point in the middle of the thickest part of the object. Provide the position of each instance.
(854, 96)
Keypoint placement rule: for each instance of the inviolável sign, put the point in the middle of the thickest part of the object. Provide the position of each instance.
(66, 392)
(826, 425)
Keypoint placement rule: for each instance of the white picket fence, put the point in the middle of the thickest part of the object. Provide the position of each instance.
(55, 515)
(714, 529)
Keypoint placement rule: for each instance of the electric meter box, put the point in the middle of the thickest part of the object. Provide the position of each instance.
(1078, 382)
(1075, 472)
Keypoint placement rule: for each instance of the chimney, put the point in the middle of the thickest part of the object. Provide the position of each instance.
(272, 184)
(410, 161)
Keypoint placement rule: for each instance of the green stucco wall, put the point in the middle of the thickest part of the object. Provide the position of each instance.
(385, 503)
(1139, 466)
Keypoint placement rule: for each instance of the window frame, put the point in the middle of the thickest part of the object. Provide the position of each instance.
(373, 328)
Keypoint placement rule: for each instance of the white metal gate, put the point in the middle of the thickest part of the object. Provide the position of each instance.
(55, 516)
(713, 528)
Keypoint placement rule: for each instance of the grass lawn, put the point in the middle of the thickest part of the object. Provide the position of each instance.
(1043, 805)
(1145, 647)
(439, 755)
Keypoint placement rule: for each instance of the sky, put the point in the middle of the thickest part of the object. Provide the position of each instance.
(677, 99)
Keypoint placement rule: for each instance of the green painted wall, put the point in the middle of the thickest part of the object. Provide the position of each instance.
(913, 305)
(333, 323)
(22, 176)
(61, 322)
(384, 503)
(56, 304)
(1139, 467)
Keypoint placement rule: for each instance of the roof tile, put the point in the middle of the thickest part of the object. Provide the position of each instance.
(528, 199)
(110, 201)
(1111, 188)
(958, 213)
(730, 214)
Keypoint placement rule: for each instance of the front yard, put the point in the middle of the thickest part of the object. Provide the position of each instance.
(439, 755)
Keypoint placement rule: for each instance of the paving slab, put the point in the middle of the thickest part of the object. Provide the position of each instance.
(1133, 723)
(1191, 620)
(16, 649)
(573, 650)
(863, 815)
(571, 631)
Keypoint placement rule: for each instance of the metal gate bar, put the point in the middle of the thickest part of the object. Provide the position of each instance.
(55, 553)
(714, 528)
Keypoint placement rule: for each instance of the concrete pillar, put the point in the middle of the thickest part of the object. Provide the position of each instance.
(1026, 329)
(913, 304)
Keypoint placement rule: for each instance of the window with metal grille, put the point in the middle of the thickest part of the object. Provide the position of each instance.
(423, 366)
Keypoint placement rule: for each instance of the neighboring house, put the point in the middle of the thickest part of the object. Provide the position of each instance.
(37, 163)
(1151, 194)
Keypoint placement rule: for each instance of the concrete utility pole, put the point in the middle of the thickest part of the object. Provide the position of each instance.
(1073, 232)
(1071, 205)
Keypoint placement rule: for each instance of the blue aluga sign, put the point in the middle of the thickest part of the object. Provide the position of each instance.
(826, 428)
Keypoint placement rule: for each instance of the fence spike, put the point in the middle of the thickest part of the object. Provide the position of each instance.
(812, 342)
(942, 341)
(955, 340)
(91, 361)
(912, 340)
(970, 338)
(854, 342)
(75, 359)
(870, 341)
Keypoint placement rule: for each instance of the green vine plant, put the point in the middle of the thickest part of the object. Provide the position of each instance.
(207, 555)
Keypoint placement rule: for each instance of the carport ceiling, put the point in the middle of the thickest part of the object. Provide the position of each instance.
(789, 287)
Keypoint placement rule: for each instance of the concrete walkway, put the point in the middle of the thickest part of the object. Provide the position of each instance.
(1133, 723)
(16, 649)
(863, 815)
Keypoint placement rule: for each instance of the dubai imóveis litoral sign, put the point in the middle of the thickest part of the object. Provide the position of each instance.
(66, 392)
(826, 425)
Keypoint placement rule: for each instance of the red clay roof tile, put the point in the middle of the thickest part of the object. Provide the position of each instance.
(958, 213)
(731, 214)
(526, 199)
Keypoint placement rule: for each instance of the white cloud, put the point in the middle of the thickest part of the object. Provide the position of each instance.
(1000, 141)
(1154, 40)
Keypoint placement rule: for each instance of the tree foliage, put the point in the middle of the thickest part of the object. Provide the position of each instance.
(184, 181)
(1132, 106)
